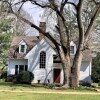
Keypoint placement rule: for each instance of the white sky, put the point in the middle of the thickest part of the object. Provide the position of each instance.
(37, 12)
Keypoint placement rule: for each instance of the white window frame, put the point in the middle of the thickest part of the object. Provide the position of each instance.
(74, 47)
(42, 61)
(18, 68)
(72, 50)
(20, 44)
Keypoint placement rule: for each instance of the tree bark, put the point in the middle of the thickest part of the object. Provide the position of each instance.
(75, 70)
(66, 67)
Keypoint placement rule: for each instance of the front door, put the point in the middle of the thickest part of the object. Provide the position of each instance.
(57, 75)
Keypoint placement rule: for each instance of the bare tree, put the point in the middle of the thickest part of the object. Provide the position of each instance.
(63, 48)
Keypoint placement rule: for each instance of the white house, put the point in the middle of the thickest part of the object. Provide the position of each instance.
(38, 55)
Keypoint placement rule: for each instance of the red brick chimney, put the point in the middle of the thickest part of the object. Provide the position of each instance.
(43, 27)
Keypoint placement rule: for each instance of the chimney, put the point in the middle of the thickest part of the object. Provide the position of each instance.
(43, 27)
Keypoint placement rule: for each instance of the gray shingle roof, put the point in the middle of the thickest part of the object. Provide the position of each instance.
(31, 41)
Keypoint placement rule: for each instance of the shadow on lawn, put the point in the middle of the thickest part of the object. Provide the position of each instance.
(14, 85)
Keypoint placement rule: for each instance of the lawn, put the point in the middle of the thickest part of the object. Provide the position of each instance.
(43, 96)
(23, 87)
(30, 96)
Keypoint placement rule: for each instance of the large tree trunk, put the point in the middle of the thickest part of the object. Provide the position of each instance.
(75, 70)
(66, 68)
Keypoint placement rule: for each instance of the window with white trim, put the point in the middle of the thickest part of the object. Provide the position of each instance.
(42, 59)
(71, 49)
(19, 68)
(22, 48)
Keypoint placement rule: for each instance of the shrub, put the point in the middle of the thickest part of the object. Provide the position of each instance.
(10, 78)
(96, 68)
(98, 83)
(24, 77)
(53, 85)
(3, 75)
(83, 83)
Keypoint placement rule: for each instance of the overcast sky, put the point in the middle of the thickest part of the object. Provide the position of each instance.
(36, 11)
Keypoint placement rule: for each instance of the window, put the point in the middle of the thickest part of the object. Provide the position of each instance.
(16, 69)
(72, 49)
(19, 68)
(22, 48)
(42, 59)
(26, 67)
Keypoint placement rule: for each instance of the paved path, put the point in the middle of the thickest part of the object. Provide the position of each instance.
(98, 90)
(50, 92)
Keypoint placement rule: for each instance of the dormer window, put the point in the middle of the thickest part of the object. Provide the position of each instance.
(22, 48)
(72, 49)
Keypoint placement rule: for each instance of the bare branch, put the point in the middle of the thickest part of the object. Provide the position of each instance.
(72, 4)
(63, 3)
(96, 2)
(80, 24)
(41, 5)
(95, 12)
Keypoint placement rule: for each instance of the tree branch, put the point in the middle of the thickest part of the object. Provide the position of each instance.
(42, 6)
(96, 2)
(63, 3)
(80, 24)
(72, 4)
(95, 12)
(34, 26)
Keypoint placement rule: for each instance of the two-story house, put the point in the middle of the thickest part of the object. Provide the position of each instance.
(38, 55)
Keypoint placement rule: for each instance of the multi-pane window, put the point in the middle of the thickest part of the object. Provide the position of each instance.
(16, 69)
(72, 49)
(26, 67)
(42, 59)
(22, 48)
(19, 68)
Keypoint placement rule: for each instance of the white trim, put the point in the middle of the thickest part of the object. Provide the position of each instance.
(73, 44)
(22, 43)
(40, 50)
(24, 68)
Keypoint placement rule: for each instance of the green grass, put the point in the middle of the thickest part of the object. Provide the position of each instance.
(23, 87)
(37, 96)
(95, 84)
(26, 96)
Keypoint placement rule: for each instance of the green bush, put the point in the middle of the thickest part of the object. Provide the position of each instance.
(3, 75)
(87, 84)
(99, 84)
(96, 68)
(53, 85)
(11, 78)
(24, 77)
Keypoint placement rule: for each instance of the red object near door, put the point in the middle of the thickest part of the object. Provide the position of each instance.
(57, 75)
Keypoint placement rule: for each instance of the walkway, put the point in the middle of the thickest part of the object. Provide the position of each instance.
(50, 92)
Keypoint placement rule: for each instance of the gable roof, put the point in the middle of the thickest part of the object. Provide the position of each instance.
(31, 41)
(14, 48)
(87, 54)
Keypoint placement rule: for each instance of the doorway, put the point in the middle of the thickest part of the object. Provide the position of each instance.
(56, 75)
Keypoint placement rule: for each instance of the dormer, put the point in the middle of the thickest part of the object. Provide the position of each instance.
(22, 47)
(72, 48)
